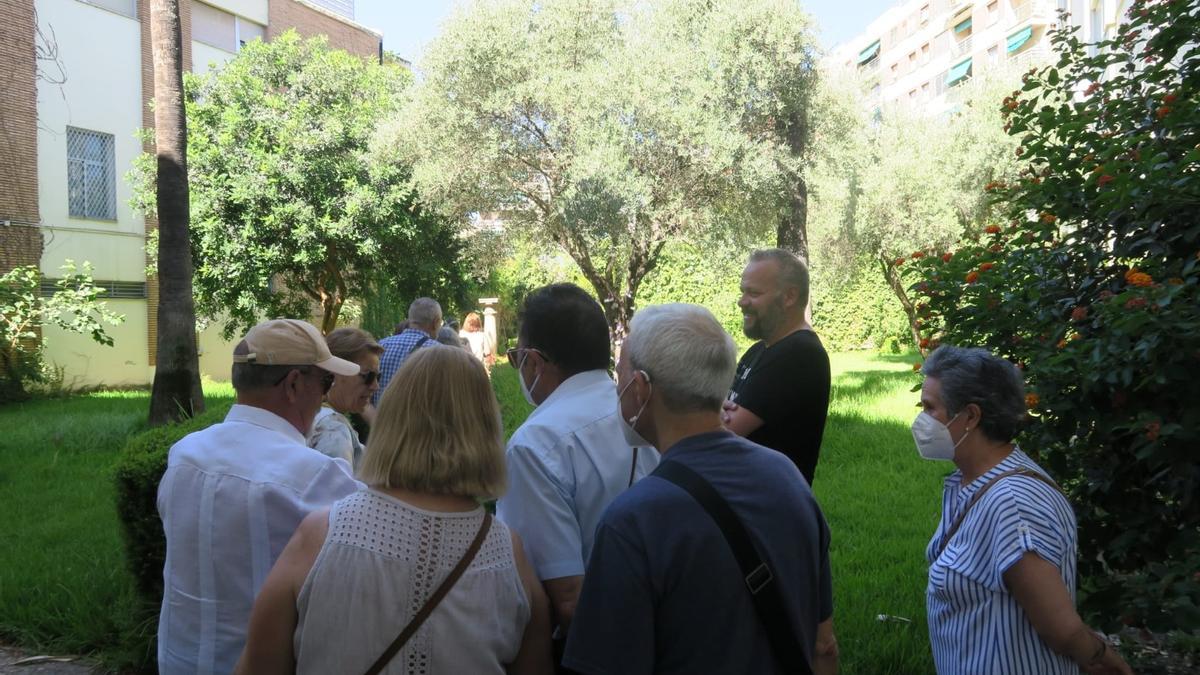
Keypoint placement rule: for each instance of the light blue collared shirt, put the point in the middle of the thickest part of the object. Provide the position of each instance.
(566, 463)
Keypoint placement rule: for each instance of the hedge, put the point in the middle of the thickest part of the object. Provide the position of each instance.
(139, 469)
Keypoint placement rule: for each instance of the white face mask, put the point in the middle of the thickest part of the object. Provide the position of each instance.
(933, 438)
(527, 390)
(632, 437)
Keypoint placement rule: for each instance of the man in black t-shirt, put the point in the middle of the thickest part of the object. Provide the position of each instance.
(780, 394)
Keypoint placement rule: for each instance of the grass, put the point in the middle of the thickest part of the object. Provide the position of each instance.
(64, 587)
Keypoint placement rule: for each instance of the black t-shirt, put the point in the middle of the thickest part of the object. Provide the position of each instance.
(787, 385)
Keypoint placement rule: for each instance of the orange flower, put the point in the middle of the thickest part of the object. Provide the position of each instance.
(996, 248)
(899, 262)
(1031, 400)
(916, 366)
(1049, 218)
(1152, 430)
(972, 277)
(1062, 343)
(947, 256)
(1135, 303)
(1169, 99)
(986, 266)
(1104, 180)
(994, 185)
(1079, 313)
(924, 343)
(992, 229)
(1135, 278)
(1163, 112)
(1091, 89)
(917, 255)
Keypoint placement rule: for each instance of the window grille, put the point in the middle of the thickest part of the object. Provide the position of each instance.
(91, 175)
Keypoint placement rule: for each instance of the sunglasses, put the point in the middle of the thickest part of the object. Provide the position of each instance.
(326, 378)
(369, 377)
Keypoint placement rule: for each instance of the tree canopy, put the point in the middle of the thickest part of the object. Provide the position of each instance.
(291, 214)
(608, 128)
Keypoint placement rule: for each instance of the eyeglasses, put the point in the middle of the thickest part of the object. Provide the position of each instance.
(513, 355)
(369, 377)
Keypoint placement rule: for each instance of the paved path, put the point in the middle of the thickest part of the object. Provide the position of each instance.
(8, 656)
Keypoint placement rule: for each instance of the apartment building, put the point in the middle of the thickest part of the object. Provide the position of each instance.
(920, 50)
(77, 77)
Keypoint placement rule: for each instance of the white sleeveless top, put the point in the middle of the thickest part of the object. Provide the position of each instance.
(381, 560)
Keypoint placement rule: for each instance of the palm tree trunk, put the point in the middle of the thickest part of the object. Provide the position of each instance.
(177, 393)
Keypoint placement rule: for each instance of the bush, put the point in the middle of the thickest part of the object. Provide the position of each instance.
(139, 469)
(1093, 287)
(861, 312)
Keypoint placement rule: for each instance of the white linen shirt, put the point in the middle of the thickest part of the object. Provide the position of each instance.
(566, 463)
(231, 498)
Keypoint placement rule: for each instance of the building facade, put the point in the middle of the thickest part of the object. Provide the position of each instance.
(78, 76)
(918, 51)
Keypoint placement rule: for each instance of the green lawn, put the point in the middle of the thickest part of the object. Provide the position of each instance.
(64, 586)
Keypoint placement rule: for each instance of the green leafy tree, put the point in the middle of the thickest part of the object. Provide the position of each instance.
(74, 306)
(905, 180)
(291, 213)
(608, 128)
(1093, 287)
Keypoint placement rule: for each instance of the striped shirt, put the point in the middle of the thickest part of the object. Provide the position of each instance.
(976, 626)
(396, 348)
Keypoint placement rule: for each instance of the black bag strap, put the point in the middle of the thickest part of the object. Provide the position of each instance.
(760, 581)
(434, 600)
(423, 340)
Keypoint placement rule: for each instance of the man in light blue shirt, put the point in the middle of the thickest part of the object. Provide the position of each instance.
(569, 459)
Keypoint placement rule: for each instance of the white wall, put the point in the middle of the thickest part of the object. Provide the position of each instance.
(255, 10)
(100, 53)
(204, 56)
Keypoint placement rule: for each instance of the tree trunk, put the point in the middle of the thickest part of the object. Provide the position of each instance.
(177, 393)
(893, 279)
(792, 231)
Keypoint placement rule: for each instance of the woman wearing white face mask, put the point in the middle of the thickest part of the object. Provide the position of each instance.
(1001, 593)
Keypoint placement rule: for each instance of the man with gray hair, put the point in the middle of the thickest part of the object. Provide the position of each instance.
(780, 395)
(424, 321)
(234, 493)
(717, 562)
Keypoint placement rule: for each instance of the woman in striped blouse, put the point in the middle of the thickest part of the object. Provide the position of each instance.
(1001, 593)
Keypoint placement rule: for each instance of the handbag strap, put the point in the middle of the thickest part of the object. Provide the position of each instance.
(764, 592)
(1030, 473)
(433, 601)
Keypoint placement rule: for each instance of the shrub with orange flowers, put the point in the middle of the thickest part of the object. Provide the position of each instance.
(1111, 352)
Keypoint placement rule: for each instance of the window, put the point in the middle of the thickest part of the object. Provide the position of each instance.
(91, 176)
(925, 53)
(895, 70)
(925, 90)
(123, 7)
(218, 28)
(912, 59)
(994, 54)
(993, 12)
(924, 14)
(912, 95)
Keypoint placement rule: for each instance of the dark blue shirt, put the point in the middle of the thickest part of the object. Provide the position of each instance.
(396, 348)
(663, 592)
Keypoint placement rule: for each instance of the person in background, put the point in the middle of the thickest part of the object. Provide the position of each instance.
(354, 575)
(780, 393)
(424, 321)
(664, 590)
(1001, 593)
(234, 493)
(569, 459)
(332, 433)
(477, 340)
(448, 336)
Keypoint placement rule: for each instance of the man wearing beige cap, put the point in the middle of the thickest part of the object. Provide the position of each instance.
(234, 493)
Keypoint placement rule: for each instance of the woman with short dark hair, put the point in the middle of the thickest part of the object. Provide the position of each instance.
(1001, 593)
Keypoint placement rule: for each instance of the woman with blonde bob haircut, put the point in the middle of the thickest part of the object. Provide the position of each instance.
(355, 575)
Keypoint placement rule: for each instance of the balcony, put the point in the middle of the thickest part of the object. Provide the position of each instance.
(962, 47)
(1037, 56)
(1037, 12)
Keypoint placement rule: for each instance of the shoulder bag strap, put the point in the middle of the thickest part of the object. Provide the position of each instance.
(757, 575)
(987, 486)
(423, 340)
(434, 599)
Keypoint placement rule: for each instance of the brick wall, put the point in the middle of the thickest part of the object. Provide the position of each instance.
(311, 21)
(185, 21)
(20, 241)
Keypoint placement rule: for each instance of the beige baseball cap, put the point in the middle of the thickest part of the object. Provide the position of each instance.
(290, 342)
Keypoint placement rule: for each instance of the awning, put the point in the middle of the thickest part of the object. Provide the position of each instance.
(1019, 38)
(963, 25)
(868, 53)
(958, 72)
